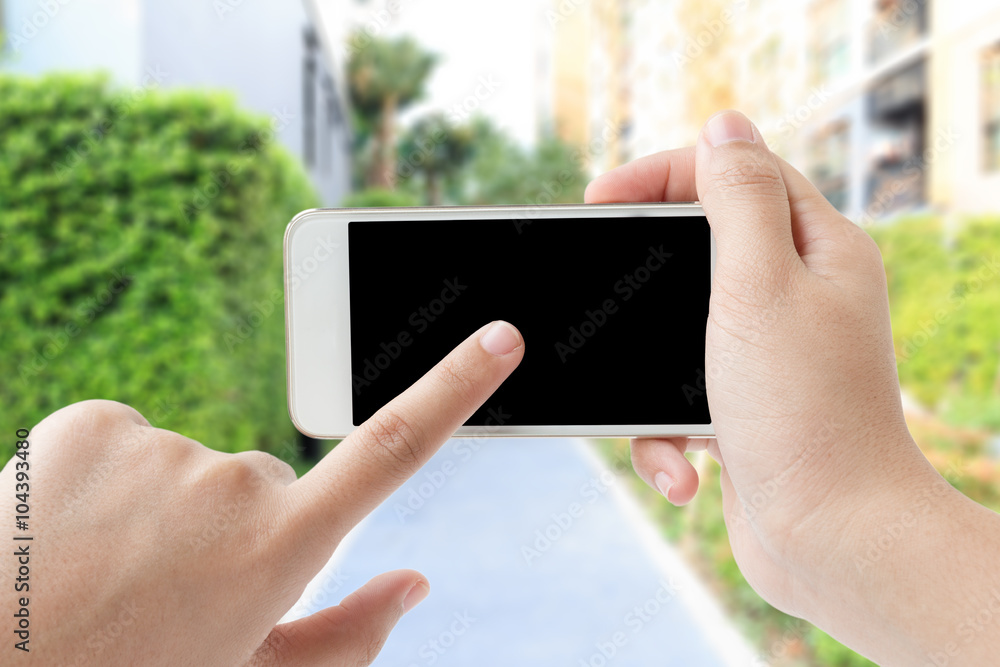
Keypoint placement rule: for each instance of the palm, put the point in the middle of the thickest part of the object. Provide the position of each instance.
(384, 77)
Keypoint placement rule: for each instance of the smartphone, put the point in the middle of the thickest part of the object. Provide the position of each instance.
(611, 299)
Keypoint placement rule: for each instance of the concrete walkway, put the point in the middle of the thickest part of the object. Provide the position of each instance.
(537, 554)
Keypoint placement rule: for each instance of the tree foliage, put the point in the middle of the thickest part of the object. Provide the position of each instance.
(384, 76)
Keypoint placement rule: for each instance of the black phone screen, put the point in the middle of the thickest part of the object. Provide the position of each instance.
(612, 310)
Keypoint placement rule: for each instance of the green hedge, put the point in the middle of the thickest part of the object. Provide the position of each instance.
(140, 258)
(944, 292)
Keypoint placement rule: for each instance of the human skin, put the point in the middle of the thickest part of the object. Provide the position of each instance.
(138, 569)
(834, 515)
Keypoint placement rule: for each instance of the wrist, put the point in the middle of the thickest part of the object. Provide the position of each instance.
(910, 572)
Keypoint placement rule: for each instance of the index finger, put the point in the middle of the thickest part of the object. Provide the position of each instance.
(385, 451)
(663, 176)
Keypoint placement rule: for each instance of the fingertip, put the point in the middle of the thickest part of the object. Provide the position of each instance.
(597, 190)
(730, 126)
(417, 594)
(501, 338)
(661, 463)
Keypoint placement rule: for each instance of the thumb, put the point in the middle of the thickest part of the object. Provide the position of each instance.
(353, 632)
(742, 191)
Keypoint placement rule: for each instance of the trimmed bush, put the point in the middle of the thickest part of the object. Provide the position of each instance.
(140, 258)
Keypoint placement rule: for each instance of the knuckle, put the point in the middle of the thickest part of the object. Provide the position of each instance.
(87, 424)
(753, 175)
(390, 437)
(869, 250)
(230, 471)
(460, 377)
(863, 253)
(267, 463)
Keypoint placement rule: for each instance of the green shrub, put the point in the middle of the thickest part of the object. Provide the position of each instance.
(944, 293)
(140, 258)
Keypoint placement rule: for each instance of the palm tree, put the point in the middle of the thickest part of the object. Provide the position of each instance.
(437, 149)
(385, 76)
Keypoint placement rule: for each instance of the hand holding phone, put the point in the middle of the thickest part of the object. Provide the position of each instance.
(817, 463)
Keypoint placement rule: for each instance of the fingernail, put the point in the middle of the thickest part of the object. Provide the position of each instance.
(663, 482)
(728, 126)
(415, 596)
(500, 339)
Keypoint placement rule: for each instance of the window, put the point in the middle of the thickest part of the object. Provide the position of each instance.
(989, 87)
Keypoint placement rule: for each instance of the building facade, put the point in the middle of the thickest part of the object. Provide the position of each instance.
(890, 106)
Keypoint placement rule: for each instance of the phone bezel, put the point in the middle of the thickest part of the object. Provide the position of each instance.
(317, 313)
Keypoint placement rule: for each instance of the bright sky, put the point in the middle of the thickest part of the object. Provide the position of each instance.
(489, 48)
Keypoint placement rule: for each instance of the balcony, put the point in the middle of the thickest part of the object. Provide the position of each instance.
(896, 25)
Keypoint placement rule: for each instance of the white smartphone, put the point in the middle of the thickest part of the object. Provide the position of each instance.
(611, 299)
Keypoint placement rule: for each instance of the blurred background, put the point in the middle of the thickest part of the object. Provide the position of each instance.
(152, 153)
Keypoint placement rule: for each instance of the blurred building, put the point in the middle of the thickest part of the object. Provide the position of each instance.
(584, 82)
(901, 114)
(888, 105)
(272, 54)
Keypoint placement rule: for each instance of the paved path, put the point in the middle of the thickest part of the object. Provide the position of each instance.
(537, 554)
